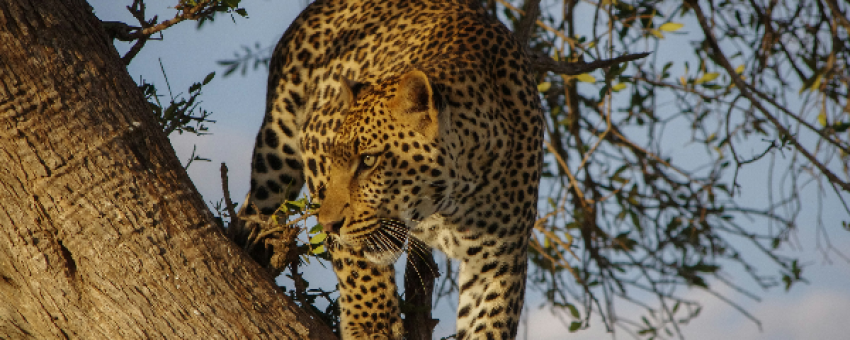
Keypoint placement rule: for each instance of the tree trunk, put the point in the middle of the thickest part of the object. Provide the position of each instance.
(102, 235)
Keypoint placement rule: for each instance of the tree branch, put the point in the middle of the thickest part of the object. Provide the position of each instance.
(525, 27)
(543, 63)
(745, 90)
(235, 222)
(200, 9)
(838, 15)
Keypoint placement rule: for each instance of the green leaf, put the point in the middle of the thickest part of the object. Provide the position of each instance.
(318, 250)
(298, 204)
(169, 112)
(841, 127)
(706, 268)
(574, 326)
(666, 67)
(209, 78)
(231, 3)
(697, 281)
(671, 27)
(573, 311)
(544, 86)
(618, 87)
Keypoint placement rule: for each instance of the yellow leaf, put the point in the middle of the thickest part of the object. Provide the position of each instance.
(585, 78)
(822, 119)
(719, 151)
(683, 81)
(670, 27)
(707, 77)
(618, 87)
(318, 238)
(740, 69)
(816, 84)
(318, 250)
(543, 87)
(656, 33)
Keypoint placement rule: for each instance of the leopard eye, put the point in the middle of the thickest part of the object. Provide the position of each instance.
(368, 161)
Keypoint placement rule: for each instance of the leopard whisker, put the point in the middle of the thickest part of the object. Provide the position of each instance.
(384, 243)
(419, 249)
(396, 231)
(381, 240)
(415, 247)
(388, 247)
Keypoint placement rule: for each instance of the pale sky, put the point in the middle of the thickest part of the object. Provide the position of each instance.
(819, 310)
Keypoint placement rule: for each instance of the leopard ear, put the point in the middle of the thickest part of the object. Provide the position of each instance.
(414, 103)
(349, 90)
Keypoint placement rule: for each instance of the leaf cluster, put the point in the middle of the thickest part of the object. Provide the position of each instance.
(180, 114)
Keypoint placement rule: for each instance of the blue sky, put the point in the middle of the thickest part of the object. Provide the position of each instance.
(818, 310)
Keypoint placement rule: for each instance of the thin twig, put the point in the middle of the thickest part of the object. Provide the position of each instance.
(745, 90)
(558, 33)
(200, 9)
(841, 18)
(287, 225)
(543, 63)
(563, 164)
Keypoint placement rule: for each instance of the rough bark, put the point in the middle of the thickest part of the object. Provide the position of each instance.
(102, 235)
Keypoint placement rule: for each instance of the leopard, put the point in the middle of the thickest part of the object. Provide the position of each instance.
(412, 123)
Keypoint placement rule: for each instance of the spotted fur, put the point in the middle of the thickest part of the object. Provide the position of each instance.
(412, 122)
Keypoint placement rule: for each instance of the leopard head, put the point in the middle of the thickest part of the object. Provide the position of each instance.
(389, 168)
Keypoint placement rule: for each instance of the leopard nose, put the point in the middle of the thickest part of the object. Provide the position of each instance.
(333, 227)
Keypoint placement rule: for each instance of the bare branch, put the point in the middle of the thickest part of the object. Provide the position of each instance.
(225, 188)
(202, 8)
(840, 17)
(745, 90)
(526, 24)
(543, 63)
